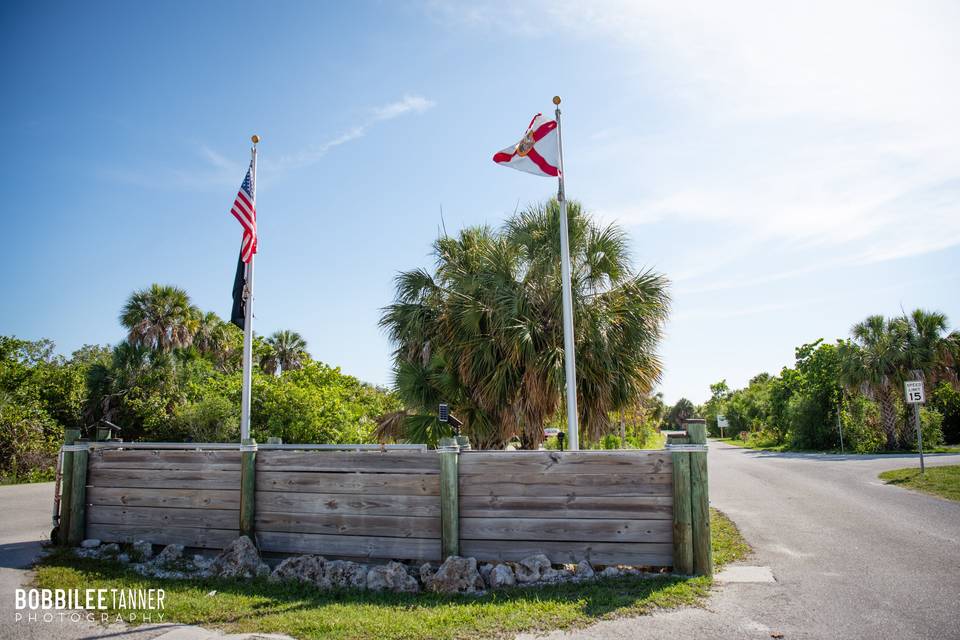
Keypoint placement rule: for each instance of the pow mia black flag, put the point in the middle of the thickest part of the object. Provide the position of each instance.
(238, 313)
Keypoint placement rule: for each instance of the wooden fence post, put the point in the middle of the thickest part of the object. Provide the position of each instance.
(682, 523)
(449, 498)
(700, 502)
(248, 486)
(78, 498)
(66, 487)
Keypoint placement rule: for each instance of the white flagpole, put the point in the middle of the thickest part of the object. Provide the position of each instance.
(248, 319)
(569, 353)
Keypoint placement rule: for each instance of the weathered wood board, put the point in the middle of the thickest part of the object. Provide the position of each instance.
(348, 504)
(422, 549)
(187, 536)
(400, 484)
(608, 507)
(654, 554)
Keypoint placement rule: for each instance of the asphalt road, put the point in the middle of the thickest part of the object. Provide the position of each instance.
(852, 557)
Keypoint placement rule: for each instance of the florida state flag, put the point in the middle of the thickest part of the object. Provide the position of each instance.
(538, 152)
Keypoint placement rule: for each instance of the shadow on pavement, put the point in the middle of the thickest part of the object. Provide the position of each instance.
(20, 555)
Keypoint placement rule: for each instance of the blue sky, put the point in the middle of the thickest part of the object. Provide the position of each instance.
(791, 167)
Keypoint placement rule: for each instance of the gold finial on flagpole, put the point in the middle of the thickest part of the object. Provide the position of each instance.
(556, 100)
(256, 138)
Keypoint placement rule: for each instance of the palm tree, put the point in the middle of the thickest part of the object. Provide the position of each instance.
(929, 351)
(217, 340)
(485, 334)
(160, 318)
(679, 412)
(873, 361)
(288, 351)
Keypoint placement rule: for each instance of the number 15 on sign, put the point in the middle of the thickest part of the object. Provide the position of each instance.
(913, 391)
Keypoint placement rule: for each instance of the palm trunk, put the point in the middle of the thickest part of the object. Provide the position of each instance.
(623, 431)
(888, 414)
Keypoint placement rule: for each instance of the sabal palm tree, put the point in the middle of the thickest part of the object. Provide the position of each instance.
(216, 339)
(160, 317)
(930, 352)
(680, 411)
(874, 362)
(288, 351)
(485, 332)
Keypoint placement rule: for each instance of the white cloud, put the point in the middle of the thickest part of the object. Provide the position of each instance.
(814, 124)
(407, 105)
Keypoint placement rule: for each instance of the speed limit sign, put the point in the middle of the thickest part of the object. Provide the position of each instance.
(913, 392)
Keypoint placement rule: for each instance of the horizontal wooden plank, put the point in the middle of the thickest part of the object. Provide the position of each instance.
(168, 479)
(565, 462)
(598, 553)
(421, 549)
(345, 503)
(164, 459)
(203, 538)
(350, 461)
(570, 529)
(637, 507)
(349, 525)
(546, 485)
(163, 517)
(150, 497)
(367, 484)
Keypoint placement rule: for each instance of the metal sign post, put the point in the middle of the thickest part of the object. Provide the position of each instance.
(913, 392)
(722, 423)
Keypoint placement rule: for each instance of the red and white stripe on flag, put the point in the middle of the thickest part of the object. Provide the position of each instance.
(245, 211)
(538, 152)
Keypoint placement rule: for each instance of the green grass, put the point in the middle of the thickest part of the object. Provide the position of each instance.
(940, 481)
(305, 612)
(728, 545)
(759, 445)
(34, 475)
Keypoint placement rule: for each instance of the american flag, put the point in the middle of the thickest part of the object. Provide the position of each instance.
(245, 211)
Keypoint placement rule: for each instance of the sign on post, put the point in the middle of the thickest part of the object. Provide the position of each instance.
(722, 423)
(913, 392)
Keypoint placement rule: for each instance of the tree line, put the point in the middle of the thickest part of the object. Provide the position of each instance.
(854, 387)
(176, 377)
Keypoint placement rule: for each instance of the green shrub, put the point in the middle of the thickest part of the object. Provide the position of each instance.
(862, 429)
(931, 424)
(946, 399)
(212, 419)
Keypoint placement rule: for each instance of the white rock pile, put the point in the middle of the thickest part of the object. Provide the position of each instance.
(242, 560)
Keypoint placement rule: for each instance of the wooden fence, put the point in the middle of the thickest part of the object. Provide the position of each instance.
(608, 507)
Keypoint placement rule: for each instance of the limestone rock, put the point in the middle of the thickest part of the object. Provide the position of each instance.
(143, 549)
(392, 576)
(299, 569)
(112, 549)
(239, 560)
(585, 570)
(426, 572)
(90, 543)
(484, 571)
(530, 568)
(124, 558)
(456, 575)
(343, 574)
(610, 572)
(501, 576)
(556, 575)
(170, 554)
